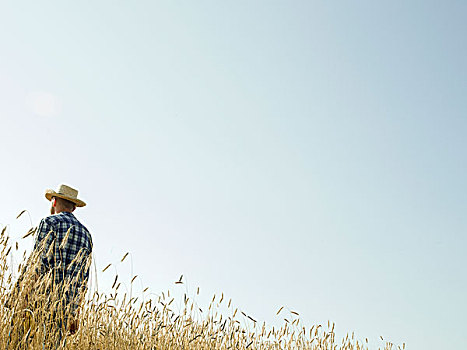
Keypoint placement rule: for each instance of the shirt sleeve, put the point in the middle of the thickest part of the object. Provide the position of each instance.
(45, 238)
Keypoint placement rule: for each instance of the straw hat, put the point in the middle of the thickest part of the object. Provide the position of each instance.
(65, 192)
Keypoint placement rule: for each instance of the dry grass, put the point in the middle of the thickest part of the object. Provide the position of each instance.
(116, 321)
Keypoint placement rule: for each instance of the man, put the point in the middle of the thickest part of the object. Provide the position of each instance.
(64, 248)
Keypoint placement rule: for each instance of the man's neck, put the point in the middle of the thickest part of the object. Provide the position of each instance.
(62, 211)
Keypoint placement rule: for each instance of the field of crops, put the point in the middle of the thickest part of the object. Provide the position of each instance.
(32, 317)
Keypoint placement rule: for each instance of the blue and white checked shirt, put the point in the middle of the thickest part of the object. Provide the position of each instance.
(66, 247)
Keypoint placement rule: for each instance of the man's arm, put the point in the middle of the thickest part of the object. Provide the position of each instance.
(43, 243)
(42, 230)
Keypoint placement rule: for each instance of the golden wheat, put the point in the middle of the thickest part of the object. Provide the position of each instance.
(34, 316)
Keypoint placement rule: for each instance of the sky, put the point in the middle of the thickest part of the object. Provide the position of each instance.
(305, 154)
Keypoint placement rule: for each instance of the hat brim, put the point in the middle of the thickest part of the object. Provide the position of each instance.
(51, 193)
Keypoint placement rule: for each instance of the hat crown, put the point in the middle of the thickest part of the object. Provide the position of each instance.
(67, 191)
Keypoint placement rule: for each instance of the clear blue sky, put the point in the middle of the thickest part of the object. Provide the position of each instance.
(308, 154)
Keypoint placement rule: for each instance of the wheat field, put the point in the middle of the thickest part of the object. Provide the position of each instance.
(32, 317)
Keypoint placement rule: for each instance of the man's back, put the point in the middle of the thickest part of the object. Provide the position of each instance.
(66, 246)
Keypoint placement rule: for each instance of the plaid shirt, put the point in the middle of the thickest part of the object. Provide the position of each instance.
(65, 247)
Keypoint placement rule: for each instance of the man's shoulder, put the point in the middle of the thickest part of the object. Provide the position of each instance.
(74, 221)
(64, 217)
(54, 218)
(51, 219)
